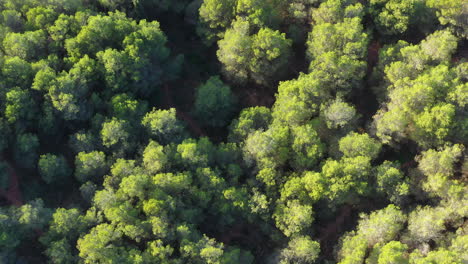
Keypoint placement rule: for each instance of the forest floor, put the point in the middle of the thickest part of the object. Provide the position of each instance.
(13, 193)
(330, 234)
(194, 127)
(182, 40)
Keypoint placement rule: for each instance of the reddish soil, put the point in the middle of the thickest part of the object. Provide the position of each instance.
(13, 194)
(462, 52)
(234, 233)
(256, 97)
(372, 56)
(193, 125)
(329, 235)
(407, 165)
(247, 236)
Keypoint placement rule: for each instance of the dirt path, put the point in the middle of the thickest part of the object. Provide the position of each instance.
(13, 194)
(192, 124)
(364, 99)
(330, 234)
(246, 235)
(373, 56)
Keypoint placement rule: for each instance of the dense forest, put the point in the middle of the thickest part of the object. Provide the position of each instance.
(234, 131)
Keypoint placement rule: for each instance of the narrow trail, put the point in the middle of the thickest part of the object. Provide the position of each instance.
(192, 124)
(373, 55)
(330, 234)
(13, 194)
(365, 100)
(245, 235)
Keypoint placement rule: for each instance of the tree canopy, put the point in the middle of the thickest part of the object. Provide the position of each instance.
(233, 131)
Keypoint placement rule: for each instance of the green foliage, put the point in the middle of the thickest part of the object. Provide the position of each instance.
(164, 126)
(306, 147)
(82, 87)
(66, 224)
(250, 120)
(300, 250)
(296, 187)
(391, 182)
(337, 49)
(27, 46)
(261, 57)
(118, 69)
(460, 246)
(335, 11)
(154, 158)
(440, 45)
(114, 132)
(260, 13)
(271, 53)
(451, 13)
(93, 247)
(293, 218)
(268, 148)
(345, 38)
(315, 185)
(41, 17)
(12, 19)
(438, 166)
(87, 190)
(381, 226)
(214, 102)
(393, 16)
(298, 100)
(19, 106)
(392, 252)
(124, 107)
(346, 179)
(338, 74)
(90, 166)
(34, 215)
(17, 72)
(416, 109)
(355, 144)
(53, 169)
(43, 79)
(215, 18)
(69, 91)
(193, 153)
(299, 9)
(441, 256)
(338, 114)
(353, 249)
(435, 123)
(65, 27)
(9, 225)
(98, 33)
(59, 252)
(26, 150)
(82, 141)
(113, 4)
(426, 223)
(235, 50)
